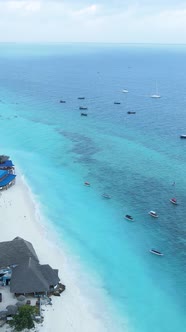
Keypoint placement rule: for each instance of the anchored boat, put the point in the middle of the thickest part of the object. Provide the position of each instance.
(153, 214)
(128, 217)
(156, 252)
(174, 201)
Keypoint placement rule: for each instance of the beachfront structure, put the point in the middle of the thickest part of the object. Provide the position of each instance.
(32, 277)
(16, 252)
(19, 267)
(7, 165)
(6, 179)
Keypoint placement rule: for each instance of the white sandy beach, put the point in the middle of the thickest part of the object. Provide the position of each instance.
(71, 311)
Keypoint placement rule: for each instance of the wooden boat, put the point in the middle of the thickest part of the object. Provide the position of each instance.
(87, 184)
(131, 112)
(117, 103)
(81, 98)
(128, 217)
(83, 108)
(153, 214)
(174, 201)
(84, 114)
(62, 101)
(106, 196)
(182, 136)
(156, 252)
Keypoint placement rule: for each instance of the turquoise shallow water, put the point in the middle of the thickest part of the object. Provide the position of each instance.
(134, 158)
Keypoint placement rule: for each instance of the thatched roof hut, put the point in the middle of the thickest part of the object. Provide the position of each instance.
(31, 277)
(3, 314)
(15, 252)
(11, 310)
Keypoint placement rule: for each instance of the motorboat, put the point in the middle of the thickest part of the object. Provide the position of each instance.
(84, 114)
(174, 201)
(156, 252)
(153, 214)
(128, 217)
(87, 184)
(83, 108)
(131, 112)
(156, 94)
(106, 196)
(182, 136)
(117, 103)
(125, 91)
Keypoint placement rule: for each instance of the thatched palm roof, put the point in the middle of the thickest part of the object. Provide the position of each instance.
(21, 298)
(15, 252)
(3, 314)
(31, 277)
(11, 309)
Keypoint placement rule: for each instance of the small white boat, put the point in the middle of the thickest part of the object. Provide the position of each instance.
(153, 214)
(174, 201)
(106, 196)
(156, 252)
(125, 91)
(128, 217)
(156, 94)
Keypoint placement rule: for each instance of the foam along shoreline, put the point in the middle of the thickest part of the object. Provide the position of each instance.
(71, 311)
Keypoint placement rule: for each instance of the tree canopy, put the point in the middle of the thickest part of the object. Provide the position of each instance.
(24, 318)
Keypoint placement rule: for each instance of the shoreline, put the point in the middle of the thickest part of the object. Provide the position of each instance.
(72, 310)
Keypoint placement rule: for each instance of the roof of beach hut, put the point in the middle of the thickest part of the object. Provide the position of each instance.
(3, 173)
(32, 277)
(9, 178)
(21, 298)
(11, 309)
(6, 164)
(3, 314)
(16, 251)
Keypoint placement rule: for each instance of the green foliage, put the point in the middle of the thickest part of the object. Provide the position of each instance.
(24, 318)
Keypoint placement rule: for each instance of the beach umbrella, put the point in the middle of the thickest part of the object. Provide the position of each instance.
(3, 314)
(21, 298)
(11, 309)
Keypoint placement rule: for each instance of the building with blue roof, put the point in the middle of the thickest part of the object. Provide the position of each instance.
(6, 179)
(8, 164)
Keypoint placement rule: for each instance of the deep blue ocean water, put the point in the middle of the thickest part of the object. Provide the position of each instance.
(134, 158)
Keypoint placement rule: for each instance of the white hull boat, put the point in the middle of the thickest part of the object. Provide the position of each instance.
(153, 214)
(156, 252)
